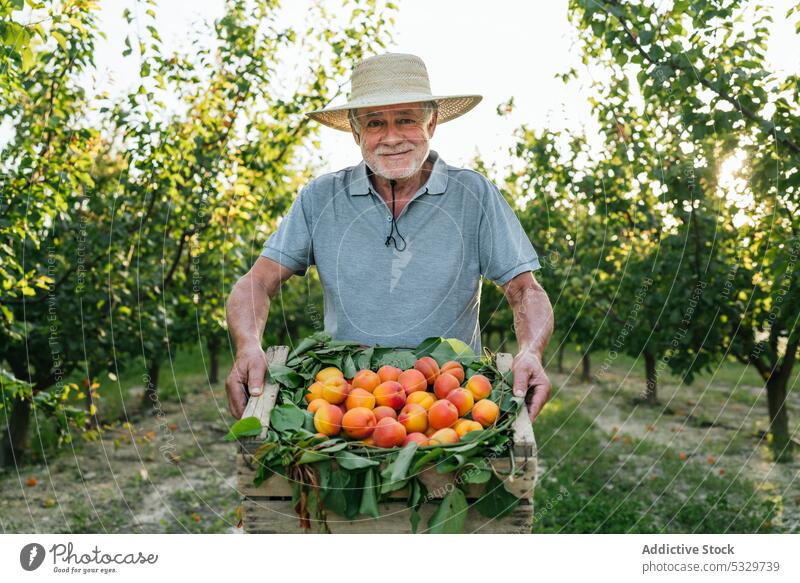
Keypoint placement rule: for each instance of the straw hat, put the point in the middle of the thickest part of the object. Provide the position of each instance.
(391, 79)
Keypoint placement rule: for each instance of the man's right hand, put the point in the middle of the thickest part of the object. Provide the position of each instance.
(247, 373)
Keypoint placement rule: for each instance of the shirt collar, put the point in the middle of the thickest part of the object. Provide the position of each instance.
(437, 181)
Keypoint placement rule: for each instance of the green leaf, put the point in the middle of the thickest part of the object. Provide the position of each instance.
(349, 367)
(396, 473)
(402, 359)
(369, 496)
(364, 358)
(427, 346)
(310, 457)
(246, 427)
(496, 502)
(350, 461)
(286, 417)
(451, 514)
(285, 375)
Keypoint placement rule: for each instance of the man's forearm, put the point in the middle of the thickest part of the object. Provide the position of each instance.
(533, 319)
(247, 310)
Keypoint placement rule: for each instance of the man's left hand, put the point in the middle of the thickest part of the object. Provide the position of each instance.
(529, 375)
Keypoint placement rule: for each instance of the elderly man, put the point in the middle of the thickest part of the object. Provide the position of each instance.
(400, 241)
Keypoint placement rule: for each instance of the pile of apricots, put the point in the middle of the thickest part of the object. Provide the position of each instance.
(391, 407)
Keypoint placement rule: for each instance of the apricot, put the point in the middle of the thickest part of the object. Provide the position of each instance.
(334, 390)
(443, 384)
(428, 367)
(388, 433)
(390, 394)
(454, 368)
(442, 436)
(361, 398)
(328, 419)
(485, 412)
(314, 392)
(316, 404)
(462, 399)
(366, 379)
(442, 414)
(430, 431)
(479, 386)
(420, 438)
(464, 426)
(413, 381)
(388, 373)
(383, 411)
(420, 398)
(358, 422)
(328, 373)
(414, 418)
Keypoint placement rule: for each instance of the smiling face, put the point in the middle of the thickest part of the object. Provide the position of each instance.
(394, 139)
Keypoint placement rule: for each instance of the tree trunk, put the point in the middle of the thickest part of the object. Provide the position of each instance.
(779, 418)
(560, 361)
(586, 373)
(213, 355)
(151, 390)
(650, 394)
(13, 451)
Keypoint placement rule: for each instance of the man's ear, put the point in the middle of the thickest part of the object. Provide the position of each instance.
(432, 124)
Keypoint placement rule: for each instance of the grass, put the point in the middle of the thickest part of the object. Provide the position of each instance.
(595, 485)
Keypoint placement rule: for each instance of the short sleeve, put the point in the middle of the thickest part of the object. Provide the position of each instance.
(504, 248)
(291, 244)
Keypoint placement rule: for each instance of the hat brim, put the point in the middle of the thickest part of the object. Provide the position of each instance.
(450, 107)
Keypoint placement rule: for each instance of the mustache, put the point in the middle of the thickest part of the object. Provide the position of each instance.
(397, 150)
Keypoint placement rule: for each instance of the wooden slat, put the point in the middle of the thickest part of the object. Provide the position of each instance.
(523, 438)
(278, 516)
(438, 485)
(261, 405)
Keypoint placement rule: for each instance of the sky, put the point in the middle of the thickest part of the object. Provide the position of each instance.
(514, 49)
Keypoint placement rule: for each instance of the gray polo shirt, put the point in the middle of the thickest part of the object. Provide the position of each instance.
(457, 228)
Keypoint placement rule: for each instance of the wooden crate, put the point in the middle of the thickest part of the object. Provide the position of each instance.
(268, 508)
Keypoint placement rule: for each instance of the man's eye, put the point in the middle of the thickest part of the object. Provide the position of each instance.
(407, 121)
(373, 123)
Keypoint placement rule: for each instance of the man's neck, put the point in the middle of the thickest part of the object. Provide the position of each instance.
(404, 188)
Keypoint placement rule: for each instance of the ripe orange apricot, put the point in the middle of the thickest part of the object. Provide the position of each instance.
(462, 399)
(443, 384)
(388, 373)
(366, 379)
(464, 426)
(328, 419)
(360, 398)
(384, 411)
(314, 392)
(454, 368)
(388, 433)
(430, 431)
(420, 438)
(444, 435)
(420, 398)
(390, 394)
(316, 404)
(358, 423)
(328, 373)
(442, 414)
(334, 390)
(414, 418)
(413, 381)
(485, 412)
(428, 367)
(479, 386)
